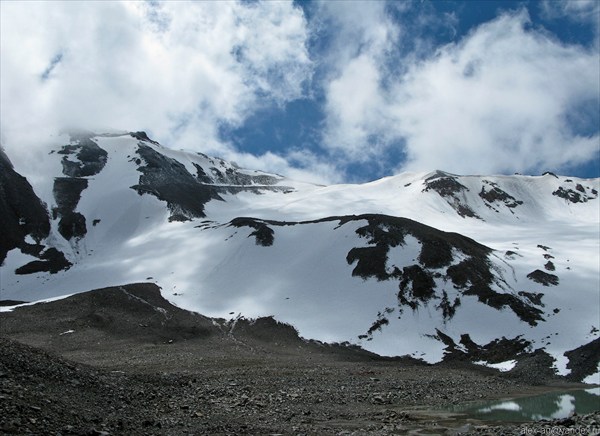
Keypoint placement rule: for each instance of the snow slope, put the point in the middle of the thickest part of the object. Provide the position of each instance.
(336, 262)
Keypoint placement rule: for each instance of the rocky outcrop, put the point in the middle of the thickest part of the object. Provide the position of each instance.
(22, 213)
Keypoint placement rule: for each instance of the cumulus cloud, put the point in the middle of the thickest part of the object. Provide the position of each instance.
(506, 97)
(177, 69)
(503, 99)
(362, 41)
(499, 101)
(579, 10)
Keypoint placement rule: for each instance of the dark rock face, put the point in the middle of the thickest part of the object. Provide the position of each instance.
(4, 303)
(534, 297)
(584, 360)
(569, 195)
(417, 284)
(67, 193)
(22, 213)
(266, 329)
(473, 275)
(228, 180)
(90, 158)
(201, 175)
(575, 193)
(370, 262)
(543, 278)
(169, 181)
(447, 307)
(494, 195)
(496, 351)
(445, 185)
(449, 188)
(82, 159)
(232, 177)
(378, 324)
(264, 235)
(142, 136)
(52, 261)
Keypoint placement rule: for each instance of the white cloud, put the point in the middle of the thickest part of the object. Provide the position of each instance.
(300, 165)
(503, 99)
(176, 69)
(363, 37)
(497, 101)
(353, 105)
(579, 10)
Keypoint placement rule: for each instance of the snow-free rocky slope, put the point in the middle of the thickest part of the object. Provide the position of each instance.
(432, 265)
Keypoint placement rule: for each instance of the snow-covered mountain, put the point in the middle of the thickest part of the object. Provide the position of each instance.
(433, 265)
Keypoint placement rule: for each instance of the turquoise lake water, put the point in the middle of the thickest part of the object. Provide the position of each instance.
(552, 405)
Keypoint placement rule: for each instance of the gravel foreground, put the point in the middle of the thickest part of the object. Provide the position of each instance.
(110, 362)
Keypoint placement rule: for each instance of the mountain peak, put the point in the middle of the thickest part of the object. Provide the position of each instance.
(142, 136)
(407, 265)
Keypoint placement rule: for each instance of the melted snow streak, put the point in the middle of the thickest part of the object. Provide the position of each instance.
(433, 265)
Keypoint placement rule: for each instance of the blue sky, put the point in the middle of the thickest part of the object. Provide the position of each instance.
(326, 91)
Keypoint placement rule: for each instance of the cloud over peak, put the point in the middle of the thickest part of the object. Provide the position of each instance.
(367, 88)
(177, 68)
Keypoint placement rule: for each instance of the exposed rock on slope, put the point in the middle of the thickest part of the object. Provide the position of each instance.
(22, 213)
(448, 187)
(443, 257)
(584, 361)
(169, 181)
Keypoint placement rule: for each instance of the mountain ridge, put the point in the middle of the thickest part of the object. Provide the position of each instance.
(402, 265)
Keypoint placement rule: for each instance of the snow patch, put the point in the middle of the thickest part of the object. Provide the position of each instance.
(593, 379)
(46, 300)
(501, 366)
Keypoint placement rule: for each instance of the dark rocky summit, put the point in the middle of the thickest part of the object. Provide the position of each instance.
(142, 136)
(169, 180)
(449, 188)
